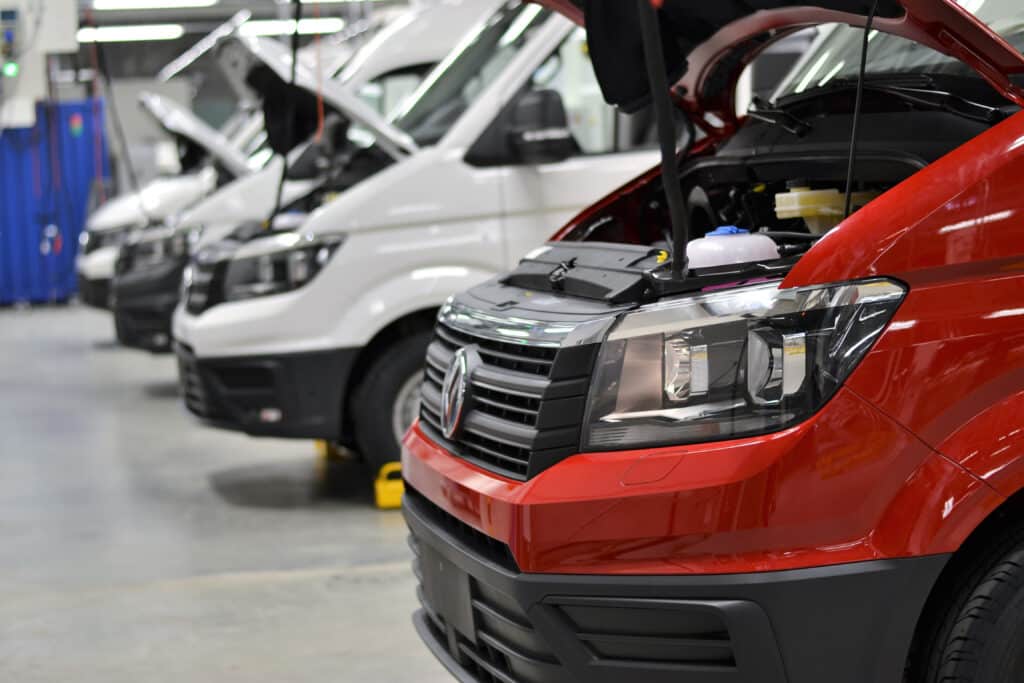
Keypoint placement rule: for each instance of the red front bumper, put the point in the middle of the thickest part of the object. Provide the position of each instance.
(848, 485)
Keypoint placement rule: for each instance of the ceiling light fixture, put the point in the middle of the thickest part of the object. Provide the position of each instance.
(130, 34)
(284, 27)
(109, 5)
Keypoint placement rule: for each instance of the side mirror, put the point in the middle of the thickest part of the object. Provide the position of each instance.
(538, 129)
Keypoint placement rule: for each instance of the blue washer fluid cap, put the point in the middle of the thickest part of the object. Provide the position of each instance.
(727, 230)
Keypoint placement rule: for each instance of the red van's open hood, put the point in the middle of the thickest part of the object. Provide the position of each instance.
(717, 40)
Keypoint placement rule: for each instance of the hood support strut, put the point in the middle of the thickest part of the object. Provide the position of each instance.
(663, 108)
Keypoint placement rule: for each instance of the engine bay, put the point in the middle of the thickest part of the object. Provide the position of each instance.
(762, 197)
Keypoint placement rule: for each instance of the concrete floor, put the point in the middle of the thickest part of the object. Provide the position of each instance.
(139, 546)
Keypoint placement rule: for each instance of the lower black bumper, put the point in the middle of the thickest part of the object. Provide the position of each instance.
(294, 396)
(94, 292)
(489, 623)
(144, 303)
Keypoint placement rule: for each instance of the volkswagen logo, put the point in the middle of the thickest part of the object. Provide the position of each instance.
(455, 390)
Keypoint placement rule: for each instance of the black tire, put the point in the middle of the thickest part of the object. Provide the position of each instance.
(374, 400)
(980, 638)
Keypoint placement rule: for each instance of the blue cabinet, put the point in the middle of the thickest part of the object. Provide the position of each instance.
(47, 177)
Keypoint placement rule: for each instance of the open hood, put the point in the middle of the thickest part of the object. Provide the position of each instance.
(178, 120)
(277, 56)
(158, 200)
(207, 43)
(708, 44)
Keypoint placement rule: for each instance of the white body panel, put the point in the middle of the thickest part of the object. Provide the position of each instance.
(423, 229)
(251, 198)
(99, 265)
(425, 33)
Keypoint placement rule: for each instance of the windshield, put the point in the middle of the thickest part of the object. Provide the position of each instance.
(837, 57)
(456, 83)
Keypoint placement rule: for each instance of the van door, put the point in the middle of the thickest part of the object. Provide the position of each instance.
(610, 148)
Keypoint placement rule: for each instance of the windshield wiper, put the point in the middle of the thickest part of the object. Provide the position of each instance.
(943, 101)
(917, 89)
(762, 110)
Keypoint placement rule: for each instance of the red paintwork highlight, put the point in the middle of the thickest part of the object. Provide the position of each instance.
(808, 496)
(958, 218)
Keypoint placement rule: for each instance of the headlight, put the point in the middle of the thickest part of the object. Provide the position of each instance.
(731, 364)
(295, 262)
(94, 240)
(154, 246)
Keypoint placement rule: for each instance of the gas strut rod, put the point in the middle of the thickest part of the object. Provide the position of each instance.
(857, 110)
(661, 102)
(297, 18)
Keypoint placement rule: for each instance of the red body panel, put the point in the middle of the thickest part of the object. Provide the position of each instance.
(808, 496)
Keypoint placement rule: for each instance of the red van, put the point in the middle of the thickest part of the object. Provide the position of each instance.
(801, 467)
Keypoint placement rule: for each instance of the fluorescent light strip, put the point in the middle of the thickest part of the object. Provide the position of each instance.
(285, 27)
(130, 34)
(108, 5)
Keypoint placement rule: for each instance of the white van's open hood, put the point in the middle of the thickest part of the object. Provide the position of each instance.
(278, 58)
(158, 200)
(178, 120)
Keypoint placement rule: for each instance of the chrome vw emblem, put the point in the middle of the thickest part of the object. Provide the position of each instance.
(455, 389)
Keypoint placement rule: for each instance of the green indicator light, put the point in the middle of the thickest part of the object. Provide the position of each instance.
(11, 69)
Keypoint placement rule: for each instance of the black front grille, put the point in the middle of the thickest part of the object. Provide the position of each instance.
(526, 401)
(125, 259)
(207, 287)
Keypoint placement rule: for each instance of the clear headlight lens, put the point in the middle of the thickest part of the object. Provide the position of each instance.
(282, 270)
(94, 240)
(149, 247)
(731, 364)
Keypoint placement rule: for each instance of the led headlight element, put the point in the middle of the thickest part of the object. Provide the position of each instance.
(729, 364)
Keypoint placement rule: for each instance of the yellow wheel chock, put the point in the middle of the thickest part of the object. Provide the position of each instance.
(329, 451)
(388, 487)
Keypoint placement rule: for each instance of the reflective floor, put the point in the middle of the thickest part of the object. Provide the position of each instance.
(136, 545)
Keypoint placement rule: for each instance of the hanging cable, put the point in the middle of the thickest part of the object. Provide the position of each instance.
(101, 70)
(857, 109)
(290, 117)
(320, 114)
(661, 102)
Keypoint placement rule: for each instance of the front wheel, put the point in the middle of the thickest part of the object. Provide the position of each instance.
(981, 637)
(387, 401)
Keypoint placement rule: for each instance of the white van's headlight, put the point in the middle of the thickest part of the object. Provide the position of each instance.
(154, 246)
(731, 364)
(282, 269)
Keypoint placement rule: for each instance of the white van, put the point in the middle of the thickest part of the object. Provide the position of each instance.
(209, 159)
(320, 332)
(380, 75)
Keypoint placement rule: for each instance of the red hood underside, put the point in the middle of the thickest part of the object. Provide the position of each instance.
(710, 35)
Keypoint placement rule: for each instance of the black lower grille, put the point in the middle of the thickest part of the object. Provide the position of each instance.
(503, 626)
(492, 637)
(494, 550)
(525, 403)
